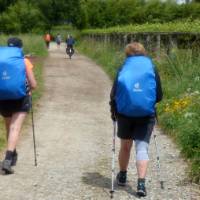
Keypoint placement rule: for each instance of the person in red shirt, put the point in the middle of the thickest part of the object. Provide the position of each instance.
(47, 39)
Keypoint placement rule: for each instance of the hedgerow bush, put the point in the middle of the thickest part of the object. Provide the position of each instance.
(175, 26)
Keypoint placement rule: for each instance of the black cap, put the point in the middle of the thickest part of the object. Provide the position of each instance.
(15, 42)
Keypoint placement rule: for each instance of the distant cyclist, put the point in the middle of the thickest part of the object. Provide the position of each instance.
(69, 43)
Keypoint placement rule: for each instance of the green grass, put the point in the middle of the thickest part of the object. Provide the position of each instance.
(179, 112)
(2, 134)
(34, 45)
(109, 57)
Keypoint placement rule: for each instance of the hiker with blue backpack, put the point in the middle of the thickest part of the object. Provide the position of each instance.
(135, 92)
(16, 83)
(58, 40)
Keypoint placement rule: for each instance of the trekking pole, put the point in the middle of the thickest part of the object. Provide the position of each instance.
(113, 160)
(158, 163)
(33, 128)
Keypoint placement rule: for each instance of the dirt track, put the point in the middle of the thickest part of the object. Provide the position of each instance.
(74, 135)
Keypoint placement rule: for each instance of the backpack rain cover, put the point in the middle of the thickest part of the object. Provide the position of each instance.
(136, 87)
(12, 73)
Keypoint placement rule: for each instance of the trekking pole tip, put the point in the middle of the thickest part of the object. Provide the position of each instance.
(111, 194)
(162, 184)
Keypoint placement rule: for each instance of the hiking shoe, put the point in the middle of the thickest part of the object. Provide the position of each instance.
(14, 159)
(6, 167)
(121, 178)
(141, 190)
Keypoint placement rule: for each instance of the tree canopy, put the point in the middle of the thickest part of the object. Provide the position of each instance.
(37, 15)
(105, 13)
(40, 15)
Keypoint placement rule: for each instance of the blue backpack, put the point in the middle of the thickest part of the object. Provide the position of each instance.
(12, 73)
(136, 87)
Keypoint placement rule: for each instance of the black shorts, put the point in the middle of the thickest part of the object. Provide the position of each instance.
(9, 107)
(135, 128)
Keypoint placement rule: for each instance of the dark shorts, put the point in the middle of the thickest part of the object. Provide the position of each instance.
(135, 128)
(9, 107)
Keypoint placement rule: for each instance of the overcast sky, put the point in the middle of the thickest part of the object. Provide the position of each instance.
(180, 1)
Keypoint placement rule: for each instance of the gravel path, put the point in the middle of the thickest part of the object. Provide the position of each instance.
(74, 136)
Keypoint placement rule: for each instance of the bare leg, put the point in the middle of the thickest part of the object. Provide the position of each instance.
(142, 168)
(7, 123)
(15, 127)
(124, 154)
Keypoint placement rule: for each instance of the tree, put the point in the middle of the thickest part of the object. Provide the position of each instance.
(4, 4)
(82, 19)
(59, 11)
(22, 17)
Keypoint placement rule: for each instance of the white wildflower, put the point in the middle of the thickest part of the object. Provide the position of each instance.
(196, 92)
(189, 114)
(197, 78)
